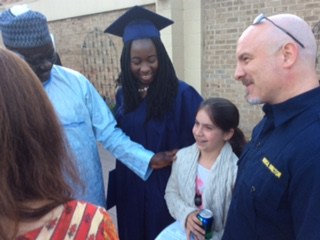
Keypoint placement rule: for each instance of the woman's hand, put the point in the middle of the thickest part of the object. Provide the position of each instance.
(193, 227)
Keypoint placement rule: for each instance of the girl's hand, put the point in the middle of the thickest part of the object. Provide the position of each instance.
(193, 227)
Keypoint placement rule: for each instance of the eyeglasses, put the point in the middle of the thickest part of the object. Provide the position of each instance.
(261, 17)
(36, 63)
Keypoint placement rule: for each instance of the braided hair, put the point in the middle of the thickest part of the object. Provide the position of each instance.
(162, 91)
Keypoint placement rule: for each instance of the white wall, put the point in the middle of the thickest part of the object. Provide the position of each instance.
(60, 9)
(192, 22)
(183, 39)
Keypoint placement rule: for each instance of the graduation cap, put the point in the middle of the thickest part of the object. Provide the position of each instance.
(138, 23)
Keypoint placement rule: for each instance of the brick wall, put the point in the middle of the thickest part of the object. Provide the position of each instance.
(69, 35)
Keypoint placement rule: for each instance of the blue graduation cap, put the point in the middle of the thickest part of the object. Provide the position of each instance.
(138, 23)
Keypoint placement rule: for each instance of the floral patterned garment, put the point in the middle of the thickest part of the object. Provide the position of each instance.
(78, 221)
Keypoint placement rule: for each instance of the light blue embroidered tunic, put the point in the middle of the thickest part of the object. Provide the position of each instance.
(87, 119)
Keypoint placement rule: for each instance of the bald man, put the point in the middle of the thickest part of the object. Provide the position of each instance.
(277, 192)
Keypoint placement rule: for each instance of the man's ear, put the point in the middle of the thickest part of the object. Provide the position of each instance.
(289, 54)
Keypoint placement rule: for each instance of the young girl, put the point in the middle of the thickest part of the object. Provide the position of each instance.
(204, 173)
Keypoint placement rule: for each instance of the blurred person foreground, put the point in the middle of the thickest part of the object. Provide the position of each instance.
(36, 165)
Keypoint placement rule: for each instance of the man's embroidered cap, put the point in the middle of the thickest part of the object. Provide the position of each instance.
(24, 28)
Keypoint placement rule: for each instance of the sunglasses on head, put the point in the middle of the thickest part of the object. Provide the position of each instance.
(259, 19)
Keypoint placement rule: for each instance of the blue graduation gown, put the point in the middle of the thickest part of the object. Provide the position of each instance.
(141, 208)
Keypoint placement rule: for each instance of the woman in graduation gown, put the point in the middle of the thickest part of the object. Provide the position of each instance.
(155, 109)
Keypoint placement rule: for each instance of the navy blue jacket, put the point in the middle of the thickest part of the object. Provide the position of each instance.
(277, 192)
